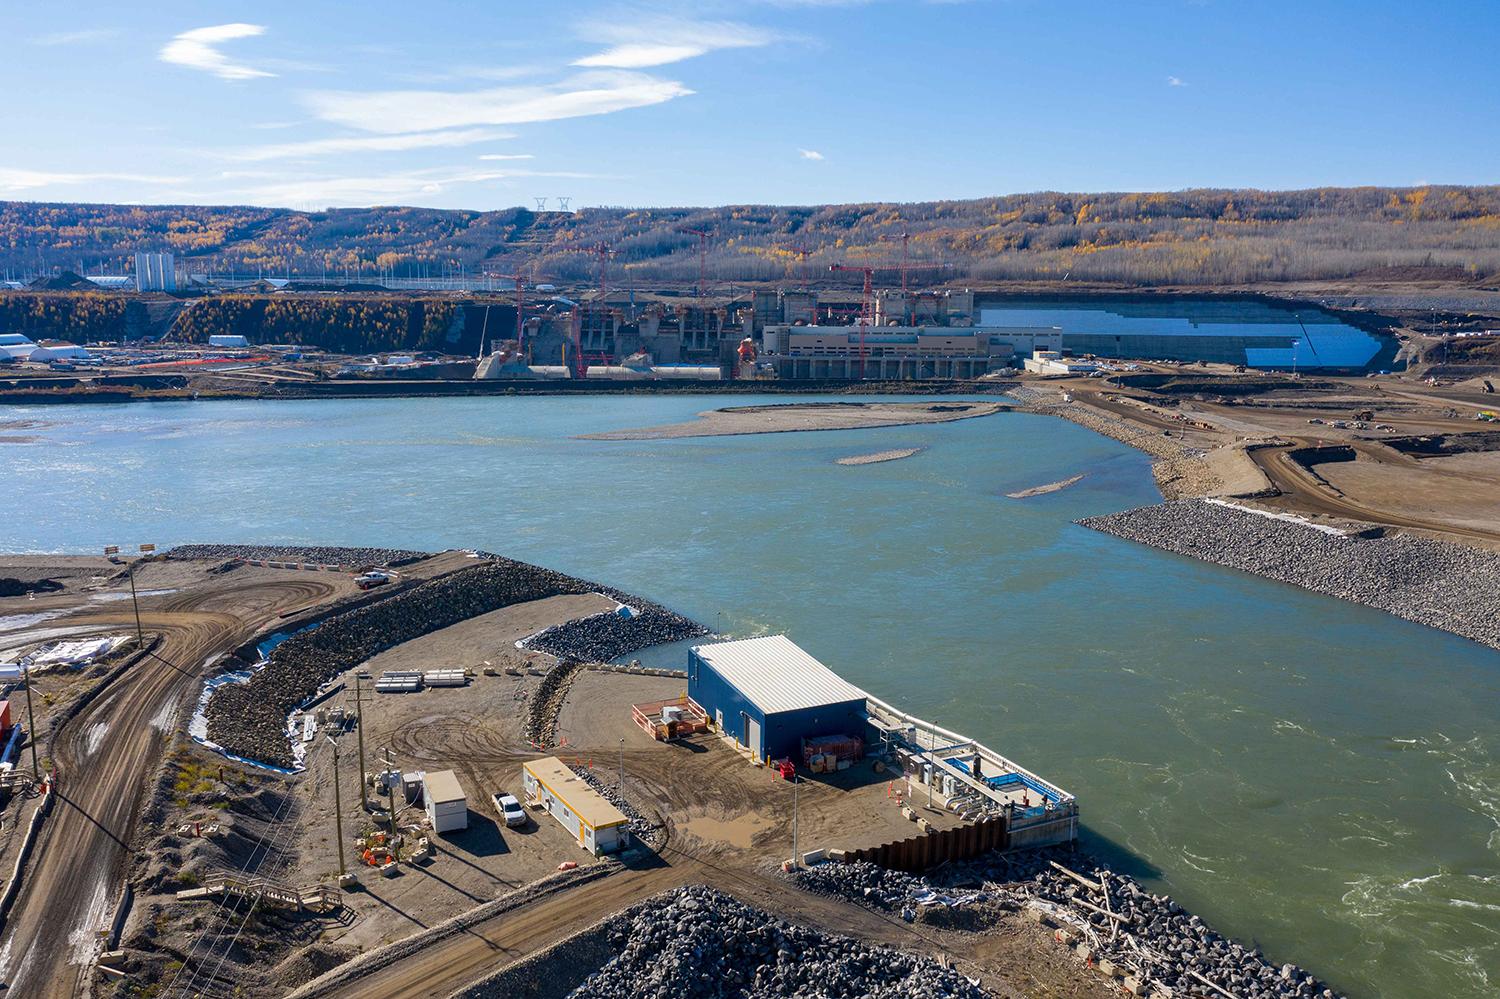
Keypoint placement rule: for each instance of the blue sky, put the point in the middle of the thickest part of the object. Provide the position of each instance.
(650, 102)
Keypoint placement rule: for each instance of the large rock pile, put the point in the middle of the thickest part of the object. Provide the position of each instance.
(1430, 582)
(698, 942)
(1173, 947)
(249, 719)
(607, 636)
(300, 553)
(1155, 936)
(863, 882)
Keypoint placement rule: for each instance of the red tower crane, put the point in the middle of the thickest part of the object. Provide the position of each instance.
(702, 235)
(864, 307)
(520, 281)
(603, 251)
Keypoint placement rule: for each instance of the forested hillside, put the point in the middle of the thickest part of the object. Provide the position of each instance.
(1206, 237)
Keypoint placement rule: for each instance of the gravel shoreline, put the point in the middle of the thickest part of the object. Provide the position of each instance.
(1436, 583)
(319, 554)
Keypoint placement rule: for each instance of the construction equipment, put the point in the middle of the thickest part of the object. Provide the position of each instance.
(865, 314)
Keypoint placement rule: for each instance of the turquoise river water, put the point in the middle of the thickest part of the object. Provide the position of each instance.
(1305, 773)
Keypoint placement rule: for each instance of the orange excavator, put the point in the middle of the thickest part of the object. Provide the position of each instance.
(747, 357)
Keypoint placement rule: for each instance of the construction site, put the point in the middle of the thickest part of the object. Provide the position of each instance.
(269, 771)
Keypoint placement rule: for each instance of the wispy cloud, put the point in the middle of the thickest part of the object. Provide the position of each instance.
(13, 179)
(395, 111)
(447, 138)
(810, 154)
(198, 49)
(507, 156)
(394, 188)
(658, 41)
(86, 36)
(1173, 81)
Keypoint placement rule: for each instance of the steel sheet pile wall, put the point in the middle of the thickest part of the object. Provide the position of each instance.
(921, 853)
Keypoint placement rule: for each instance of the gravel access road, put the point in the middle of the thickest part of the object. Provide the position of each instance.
(104, 756)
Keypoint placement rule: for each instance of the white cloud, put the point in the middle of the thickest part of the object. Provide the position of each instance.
(656, 42)
(507, 156)
(395, 111)
(197, 49)
(367, 144)
(1173, 81)
(16, 179)
(86, 36)
(810, 154)
(395, 188)
(639, 55)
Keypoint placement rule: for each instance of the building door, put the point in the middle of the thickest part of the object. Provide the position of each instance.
(752, 736)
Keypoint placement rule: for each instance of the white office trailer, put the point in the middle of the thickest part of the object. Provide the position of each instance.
(443, 798)
(598, 826)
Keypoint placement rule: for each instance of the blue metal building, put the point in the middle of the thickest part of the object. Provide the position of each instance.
(768, 694)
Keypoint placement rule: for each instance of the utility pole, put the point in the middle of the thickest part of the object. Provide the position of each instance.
(390, 792)
(359, 713)
(796, 857)
(139, 641)
(36, 770)
(338, 805)
(622, 766)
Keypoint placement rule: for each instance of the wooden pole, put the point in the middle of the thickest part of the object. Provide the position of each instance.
(338, 806)
(1077, 877)
(139, 641)
(36, 770)
(359, 711)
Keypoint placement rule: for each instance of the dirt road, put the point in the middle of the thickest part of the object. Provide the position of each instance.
(105, 756)
(1303, 492)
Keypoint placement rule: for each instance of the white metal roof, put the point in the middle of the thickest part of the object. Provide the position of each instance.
(776, 675)
(441, 786)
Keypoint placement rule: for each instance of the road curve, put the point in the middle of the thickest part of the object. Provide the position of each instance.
(104, 757)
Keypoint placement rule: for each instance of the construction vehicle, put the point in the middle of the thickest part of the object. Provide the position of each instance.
(1488, 416)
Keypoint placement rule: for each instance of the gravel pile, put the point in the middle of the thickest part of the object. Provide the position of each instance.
(1157, 937)
(698, 942)
(20, 587)
(249, 719)
(1435, 583)
(608, 786)
(862, 882)
(607, 636)
(295, 553)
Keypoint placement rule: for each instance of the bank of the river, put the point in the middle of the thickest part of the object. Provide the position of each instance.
(1315, 775)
